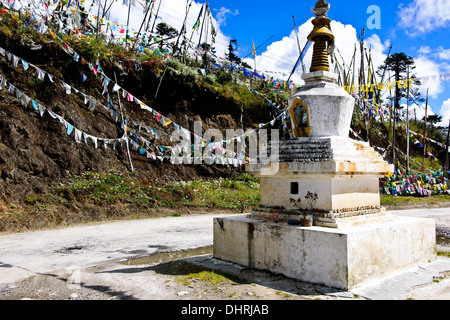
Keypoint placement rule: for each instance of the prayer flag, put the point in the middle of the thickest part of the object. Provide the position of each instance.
(197, 23)
(78, 135)
(69, 128)
(92, 103)
(24, 100)
(253, 49)
(302, 56)
(42, 28)
(35, 105)
(15, 61)
(25, 65)
(167, 122)
(52, 34)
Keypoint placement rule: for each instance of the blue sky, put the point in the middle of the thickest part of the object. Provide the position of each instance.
(262, 19)
(418, 28)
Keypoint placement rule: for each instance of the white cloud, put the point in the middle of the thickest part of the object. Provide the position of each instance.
(377, 49)
(425, 50)
(445, 113)
(422, 16)
(418, 112)
(282, 55)
(429, 70)
(430, 64)
(172, 12)
(439, 53)
(444, 54)
(222, 13)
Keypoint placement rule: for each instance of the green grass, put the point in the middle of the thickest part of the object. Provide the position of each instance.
(232, 194)
(209, 277)
(428, 163)
(443, 254)
(113, 187)
(95, 196)
(222, 194)
(390, 200)
(100, 189)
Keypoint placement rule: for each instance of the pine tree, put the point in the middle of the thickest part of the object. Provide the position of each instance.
(231, 56)
(399, 63)
(402, 66)
(166, 31)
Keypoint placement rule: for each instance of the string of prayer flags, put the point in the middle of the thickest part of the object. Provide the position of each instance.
(41, 74)
(68, 89)
(163, 121)
(35, 105)
(78, 134)
(116, 87)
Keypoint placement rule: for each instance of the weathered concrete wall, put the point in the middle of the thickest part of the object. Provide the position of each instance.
(380, 250)
(340, 258)
(334, 192)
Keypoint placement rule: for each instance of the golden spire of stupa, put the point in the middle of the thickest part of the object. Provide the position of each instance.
(321, 36)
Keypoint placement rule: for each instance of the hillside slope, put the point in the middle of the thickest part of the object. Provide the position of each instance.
(36, 151)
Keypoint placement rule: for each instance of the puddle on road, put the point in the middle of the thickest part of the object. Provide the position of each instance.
(443, 237)
(443, 241)
(160, 257)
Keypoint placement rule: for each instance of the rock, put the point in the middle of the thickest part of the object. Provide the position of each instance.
(182, 293)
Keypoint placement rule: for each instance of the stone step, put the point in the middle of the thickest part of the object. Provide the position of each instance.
(319, 150)
(295, 151)
(302, 146)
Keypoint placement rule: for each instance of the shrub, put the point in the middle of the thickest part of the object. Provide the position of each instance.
(224, 77)
(211, 79)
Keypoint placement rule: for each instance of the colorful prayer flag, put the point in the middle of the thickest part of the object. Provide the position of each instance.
(253, 49)
(197, 23)
(52, 34)
(167, 122)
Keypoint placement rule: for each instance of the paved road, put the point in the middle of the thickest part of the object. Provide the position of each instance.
(441, 215)
(28, 254)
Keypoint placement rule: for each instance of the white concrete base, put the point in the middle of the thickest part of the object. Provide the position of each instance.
(339, 258)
